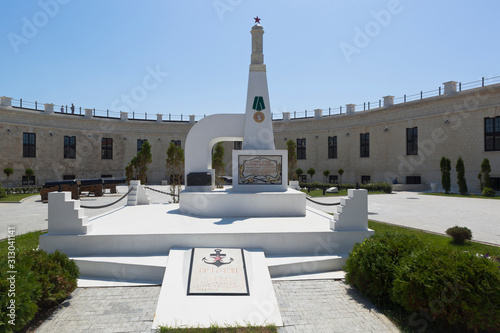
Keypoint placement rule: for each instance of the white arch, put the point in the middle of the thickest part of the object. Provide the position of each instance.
(203, 136)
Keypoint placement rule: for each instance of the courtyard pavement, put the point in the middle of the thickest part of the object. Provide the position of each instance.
(306, 306)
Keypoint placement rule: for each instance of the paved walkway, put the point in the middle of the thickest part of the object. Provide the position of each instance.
(327, 306)
(306, 306)
(105, 310)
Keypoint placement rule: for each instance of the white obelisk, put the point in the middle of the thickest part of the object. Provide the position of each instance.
(258, 133)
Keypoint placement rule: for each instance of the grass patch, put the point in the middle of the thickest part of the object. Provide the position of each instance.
(217, 329)
(462, 196)
(319, 193)
(26, 241)
(437, 240)
(16, 197)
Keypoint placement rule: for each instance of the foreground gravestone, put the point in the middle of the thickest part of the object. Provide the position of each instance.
(217, 272)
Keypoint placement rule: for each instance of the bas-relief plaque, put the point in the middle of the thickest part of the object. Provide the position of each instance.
(217, 272)
(259, 169)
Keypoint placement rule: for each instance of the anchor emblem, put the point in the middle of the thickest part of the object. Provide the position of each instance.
(218, 258)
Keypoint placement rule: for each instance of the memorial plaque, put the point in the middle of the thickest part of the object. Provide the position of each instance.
(259, 169)
(217, 272)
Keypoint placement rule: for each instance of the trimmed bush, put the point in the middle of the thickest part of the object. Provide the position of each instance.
(378, 187)
(445, 166)
(488, 192)
(456, 288)
(3, 192)
(42, 281)
(459, 234)
(370, 266)
(461, 181)
(374, 187)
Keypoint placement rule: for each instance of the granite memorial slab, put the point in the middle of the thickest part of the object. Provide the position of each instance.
(217, 272)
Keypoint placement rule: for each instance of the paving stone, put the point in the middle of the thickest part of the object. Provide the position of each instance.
(306, 306)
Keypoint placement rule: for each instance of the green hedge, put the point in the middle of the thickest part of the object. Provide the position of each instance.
(42, 281)
(457, 288)
(370, 266)
(372, 187)
(20, 190)
(451, 288)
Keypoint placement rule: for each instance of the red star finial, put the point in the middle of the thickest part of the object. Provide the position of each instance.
(257, 20)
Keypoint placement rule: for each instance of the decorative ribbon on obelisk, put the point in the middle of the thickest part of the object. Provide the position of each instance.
(258, 103)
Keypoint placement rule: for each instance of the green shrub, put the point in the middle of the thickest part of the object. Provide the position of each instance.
(27, 293)
(378, 187)
(455, 288)
(445, 165)
(461, 181)
(3, 192)
(42, 280)
(459, 234)
(374, 187)
(488, 192)
(370, 266)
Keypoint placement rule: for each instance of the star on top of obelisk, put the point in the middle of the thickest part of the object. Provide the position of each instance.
(257, 20)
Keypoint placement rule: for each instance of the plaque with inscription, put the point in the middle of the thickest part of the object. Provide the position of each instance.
(259, 169)
(217, 272)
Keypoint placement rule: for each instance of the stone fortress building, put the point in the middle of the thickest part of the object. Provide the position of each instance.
(404, 140)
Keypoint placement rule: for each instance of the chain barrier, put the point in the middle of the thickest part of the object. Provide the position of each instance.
(323, 204)
(111, 204)
(152, 189)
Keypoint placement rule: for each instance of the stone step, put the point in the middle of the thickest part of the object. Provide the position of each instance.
(287, 266)
(106, 270)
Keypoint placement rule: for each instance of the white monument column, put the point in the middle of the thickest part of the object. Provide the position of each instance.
(258, 132)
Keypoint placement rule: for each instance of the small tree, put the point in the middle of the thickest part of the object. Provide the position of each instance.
(326, 173)
(138, 166)
(462, 183)
(144, 158)
(29, 173)
(291, 146)
(484, 175)
(311, 172)
(340, 172)
(175, 169)
(8, 171)
(445, 165)
(299, 172)
(218, 164)
(129, 172)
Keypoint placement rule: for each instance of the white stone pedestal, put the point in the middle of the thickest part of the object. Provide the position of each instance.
(229, 203)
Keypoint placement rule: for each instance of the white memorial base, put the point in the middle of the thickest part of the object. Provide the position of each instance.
(177, 309)
(228, 203)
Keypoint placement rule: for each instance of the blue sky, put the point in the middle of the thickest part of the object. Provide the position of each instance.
(192, 56)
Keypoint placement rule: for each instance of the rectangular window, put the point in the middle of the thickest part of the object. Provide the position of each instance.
(303, 178)
(333, 179)
(413, 180)
(69, 177)
(495, 183)
(365, 145)
(237, 145)
(106, 176)
(365, 179)
(107, 148)
(140, 142)
(70, 147)
(29, 145)
(301, 149)
(176, 142)
(492, 134)
(412, 141)
(332, 147)
(25, 180)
